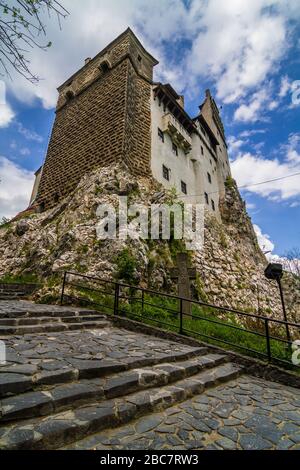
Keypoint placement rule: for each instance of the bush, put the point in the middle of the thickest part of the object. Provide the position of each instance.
(126, 267)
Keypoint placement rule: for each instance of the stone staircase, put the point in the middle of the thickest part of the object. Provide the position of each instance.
(55, 409)
(15, 291)
(47, 324)
(27, 318)
(60, 387)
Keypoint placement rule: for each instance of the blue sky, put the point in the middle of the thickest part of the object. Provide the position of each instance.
(247, 53)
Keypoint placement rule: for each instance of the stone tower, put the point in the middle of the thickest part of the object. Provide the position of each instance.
(103, 116)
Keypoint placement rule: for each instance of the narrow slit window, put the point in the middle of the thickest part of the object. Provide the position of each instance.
(183, 187)
(166, 173)
(175, 149)
(160, 134)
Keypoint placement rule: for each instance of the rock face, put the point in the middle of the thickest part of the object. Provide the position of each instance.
(230, 267)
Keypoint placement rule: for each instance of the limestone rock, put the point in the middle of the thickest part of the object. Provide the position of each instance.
(230, 267)
(22, 227)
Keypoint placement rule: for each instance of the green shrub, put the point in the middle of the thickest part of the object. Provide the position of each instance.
(126, 266)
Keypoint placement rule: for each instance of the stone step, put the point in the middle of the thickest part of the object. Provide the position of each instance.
(36, 313)
(15, 383)
(60, 429)
(21, 321)
(51, 327)
(44, 402)
(12, 296)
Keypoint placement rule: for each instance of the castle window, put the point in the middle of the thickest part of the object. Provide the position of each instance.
(139, 58)
(104, 66)
(69, 95)
(206, 198)
(174, 149)
(202, 150)
(160, 134)
(183, 187)
(213, 205)
(209, 177)
(166, 172)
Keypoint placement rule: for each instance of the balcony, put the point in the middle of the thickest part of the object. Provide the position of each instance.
(177, 132)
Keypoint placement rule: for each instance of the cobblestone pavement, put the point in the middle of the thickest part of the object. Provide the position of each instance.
(247, 413)
(31, 353)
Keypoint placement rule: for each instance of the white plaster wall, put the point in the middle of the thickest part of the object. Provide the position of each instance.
(181, 167)
(192, 168)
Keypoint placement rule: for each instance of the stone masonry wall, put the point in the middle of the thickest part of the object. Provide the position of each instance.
(137, 145)
(87, 132)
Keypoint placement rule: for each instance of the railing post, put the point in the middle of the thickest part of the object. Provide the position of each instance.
(116, 302)
(63, 288)
(180, 317)
(143, 300)
(268, 340)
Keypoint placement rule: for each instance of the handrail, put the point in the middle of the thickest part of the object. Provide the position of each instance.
(118, 296)
(197, 302)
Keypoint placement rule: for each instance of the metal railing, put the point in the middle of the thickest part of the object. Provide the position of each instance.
(133, 301)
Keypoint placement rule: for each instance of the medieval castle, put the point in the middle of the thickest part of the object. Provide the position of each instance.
(112, 111)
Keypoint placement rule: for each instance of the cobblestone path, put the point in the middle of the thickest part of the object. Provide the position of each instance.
(97, 386)
(247, 413)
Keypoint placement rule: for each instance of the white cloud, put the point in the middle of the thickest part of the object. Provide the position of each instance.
(290, 261)
(263, 239)
(234, 144)
(15, 188)
(249, 169)
(239, 45)
(87, 30)
(250, 133)
(28, 134)
(6, 115)
(24, 151)
(251, 112)
(13, 145)
(255, 109)
(285, 86)
(236, 43)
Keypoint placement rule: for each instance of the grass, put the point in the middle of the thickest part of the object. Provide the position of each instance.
(19, 279)
(205, 323)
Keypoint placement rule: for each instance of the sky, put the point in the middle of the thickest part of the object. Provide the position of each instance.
(247, 53)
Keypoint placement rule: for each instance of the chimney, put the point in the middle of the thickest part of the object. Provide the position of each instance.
(87, 60)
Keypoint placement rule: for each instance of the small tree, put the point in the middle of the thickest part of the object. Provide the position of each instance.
(292, 261)
(4, 221)
(20, 28)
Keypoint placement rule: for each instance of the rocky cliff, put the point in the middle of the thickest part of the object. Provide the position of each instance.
(230, 267)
